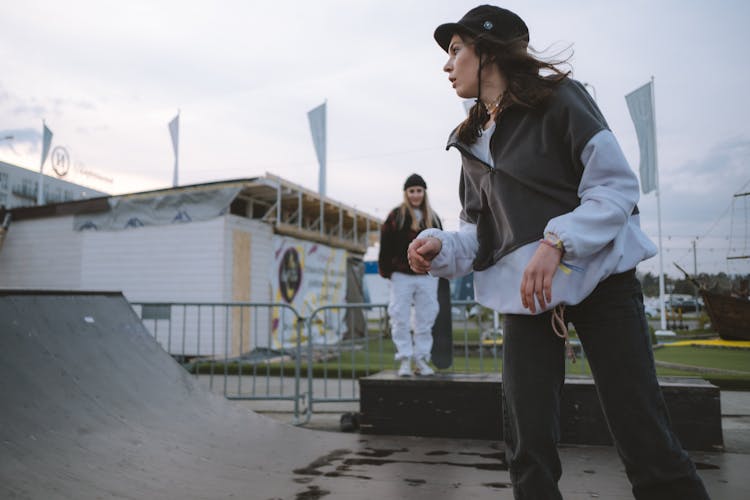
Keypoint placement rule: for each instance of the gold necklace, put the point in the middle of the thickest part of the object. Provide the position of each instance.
(492, 107)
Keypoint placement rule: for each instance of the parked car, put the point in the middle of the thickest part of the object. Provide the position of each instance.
(684, 305)
(651, 311)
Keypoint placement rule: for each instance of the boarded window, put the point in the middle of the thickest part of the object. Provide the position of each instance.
(156, 311)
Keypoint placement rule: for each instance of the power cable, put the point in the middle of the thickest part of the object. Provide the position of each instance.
(730, 206)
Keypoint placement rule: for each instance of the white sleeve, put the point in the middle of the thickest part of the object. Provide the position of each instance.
(457, 254)
(608, 193)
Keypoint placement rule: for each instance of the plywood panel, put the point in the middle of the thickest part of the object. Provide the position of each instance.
(241, 317)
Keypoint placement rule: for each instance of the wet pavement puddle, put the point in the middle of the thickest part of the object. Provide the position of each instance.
(341, 463)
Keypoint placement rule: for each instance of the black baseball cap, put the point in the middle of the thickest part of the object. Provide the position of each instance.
(496, 22)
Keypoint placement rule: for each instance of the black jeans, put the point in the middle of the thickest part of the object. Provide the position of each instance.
(612, 327)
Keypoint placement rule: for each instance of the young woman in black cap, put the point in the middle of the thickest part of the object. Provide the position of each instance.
(407, 287)
(550, 227)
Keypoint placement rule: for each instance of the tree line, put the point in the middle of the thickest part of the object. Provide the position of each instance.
(720, 282)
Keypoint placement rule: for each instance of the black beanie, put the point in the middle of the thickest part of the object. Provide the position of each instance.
(414, 180)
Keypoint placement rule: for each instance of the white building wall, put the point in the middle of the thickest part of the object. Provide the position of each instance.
(18, 187)
(42, 254)
(192, 262)
(175, 263)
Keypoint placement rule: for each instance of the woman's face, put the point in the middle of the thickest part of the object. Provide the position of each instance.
(462, 68)
(415, 195)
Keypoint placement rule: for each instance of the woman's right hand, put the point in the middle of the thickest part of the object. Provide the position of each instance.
(421, 252)
(536, 282)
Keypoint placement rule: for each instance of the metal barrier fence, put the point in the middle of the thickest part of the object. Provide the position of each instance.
(239, 344)
(232, 342)
(364, 350)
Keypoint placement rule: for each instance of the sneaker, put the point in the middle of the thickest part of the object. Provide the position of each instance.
(423, 368)
(405, 369)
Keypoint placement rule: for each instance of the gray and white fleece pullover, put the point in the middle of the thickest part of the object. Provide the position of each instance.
(559, 170)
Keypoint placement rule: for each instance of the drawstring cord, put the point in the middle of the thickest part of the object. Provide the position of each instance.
(560, 327)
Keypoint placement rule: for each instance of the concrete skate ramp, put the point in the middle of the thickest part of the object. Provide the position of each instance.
(92, 407)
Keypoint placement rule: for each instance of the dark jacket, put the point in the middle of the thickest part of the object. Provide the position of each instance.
(394, 242)
(537, 156)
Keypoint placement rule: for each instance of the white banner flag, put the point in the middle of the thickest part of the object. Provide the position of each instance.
(174, 131)
(641, 107)
(46, 142)
(317, 119)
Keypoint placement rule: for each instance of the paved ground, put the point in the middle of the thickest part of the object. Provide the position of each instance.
(94, 409)
(589, 471)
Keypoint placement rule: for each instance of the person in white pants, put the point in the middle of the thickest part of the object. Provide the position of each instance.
(421, 292)
(407, 287)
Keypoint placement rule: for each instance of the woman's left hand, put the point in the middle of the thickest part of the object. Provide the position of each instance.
(421, 252)
(537, 277)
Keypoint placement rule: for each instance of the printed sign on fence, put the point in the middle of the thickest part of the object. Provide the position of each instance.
(307, 275)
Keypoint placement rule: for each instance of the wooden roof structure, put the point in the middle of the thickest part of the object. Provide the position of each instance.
(291, 209)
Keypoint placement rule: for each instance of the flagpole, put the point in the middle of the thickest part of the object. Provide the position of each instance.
(658, 213)
(322, 173)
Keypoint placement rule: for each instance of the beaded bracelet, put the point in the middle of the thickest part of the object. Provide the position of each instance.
(554, 239)
(562, 266)
(557, 245)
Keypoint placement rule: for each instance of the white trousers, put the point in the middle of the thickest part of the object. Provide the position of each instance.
(421, 292)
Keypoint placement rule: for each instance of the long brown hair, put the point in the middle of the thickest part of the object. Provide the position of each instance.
(527, 86)
(429, 218)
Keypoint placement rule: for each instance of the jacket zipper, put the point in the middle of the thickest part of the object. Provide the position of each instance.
(470, 155)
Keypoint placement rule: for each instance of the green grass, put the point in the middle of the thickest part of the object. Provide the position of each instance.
(378, 355)
(708, 357)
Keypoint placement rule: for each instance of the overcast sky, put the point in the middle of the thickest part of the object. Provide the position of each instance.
(108, 76)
